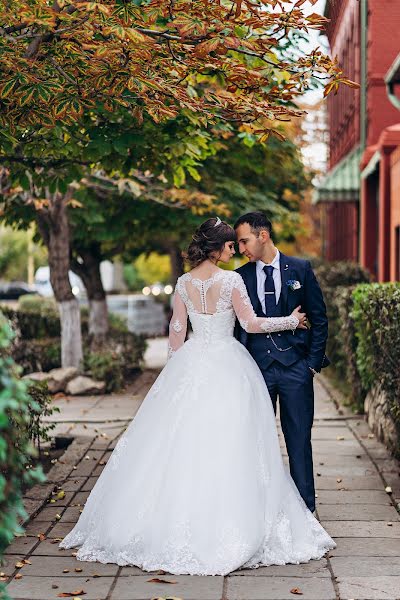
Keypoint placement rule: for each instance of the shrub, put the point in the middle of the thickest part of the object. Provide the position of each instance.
(347, 333)
(38, 430)
(16, 451)
(334, 278)
(105, 366)
(36, 318)
(37, 355)
(37, 345)
(376, 316)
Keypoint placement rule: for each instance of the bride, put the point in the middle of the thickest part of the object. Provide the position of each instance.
(197, 485)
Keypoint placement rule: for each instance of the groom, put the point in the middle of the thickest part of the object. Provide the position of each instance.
(277, 284)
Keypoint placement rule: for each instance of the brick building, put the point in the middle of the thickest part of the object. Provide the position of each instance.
(359, 195)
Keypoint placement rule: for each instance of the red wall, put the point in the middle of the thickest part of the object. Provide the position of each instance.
(344, 108)
(383, 46)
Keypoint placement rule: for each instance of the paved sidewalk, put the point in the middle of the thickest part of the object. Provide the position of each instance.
(352, 471)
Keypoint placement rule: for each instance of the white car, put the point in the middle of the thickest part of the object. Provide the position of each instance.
(43, 285)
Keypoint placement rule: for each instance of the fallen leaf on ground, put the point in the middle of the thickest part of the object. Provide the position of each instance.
(339, 439)
(54, 587)
(78, 570)
(19, 564)
(65, 570)
(296, 591)
(26, 561)
(61, 495)
(339, 480)
(371, 436)
(158, 580)
(18, 576)
(388, 490)
(71, 594)
(389, 524)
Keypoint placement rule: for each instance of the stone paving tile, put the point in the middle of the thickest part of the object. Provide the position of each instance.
(40, 588)
(353, 497)
(352, 547)
(378, 529)
(329, 433)
(49, 513)
(80, 498)
(369, 566)
(315, 568)
(60, 530)
(330, 482)
(360, 512)
(278, 588)
(22, 545)
(71, 515)
(89, 484)
(8, 564)
(73, 483)
(369, 588)
(53, 566)
(187, 587)
(344, 470)
(50, 548)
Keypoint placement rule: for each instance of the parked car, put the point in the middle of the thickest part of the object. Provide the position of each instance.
(43, 285)
(12, 290)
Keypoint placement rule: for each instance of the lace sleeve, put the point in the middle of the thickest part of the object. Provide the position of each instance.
(178, 324)
(247, 317)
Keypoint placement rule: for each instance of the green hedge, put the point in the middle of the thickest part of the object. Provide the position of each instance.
(16, 451)
(37, 345)
(335, 278)
(376, 317)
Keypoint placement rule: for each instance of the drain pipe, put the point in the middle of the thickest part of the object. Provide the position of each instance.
(364, 73)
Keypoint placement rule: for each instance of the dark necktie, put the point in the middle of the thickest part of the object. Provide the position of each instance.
(269, 289)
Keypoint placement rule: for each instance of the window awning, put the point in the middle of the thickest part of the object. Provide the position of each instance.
(342, 184)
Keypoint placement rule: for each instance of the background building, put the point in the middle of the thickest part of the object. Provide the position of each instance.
(359, 195)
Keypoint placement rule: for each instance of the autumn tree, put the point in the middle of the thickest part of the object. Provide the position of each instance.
(71, 68)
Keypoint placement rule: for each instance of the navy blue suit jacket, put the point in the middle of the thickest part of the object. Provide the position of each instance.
(310, 343)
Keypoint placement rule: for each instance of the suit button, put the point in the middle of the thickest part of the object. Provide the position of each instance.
(279, 335)
(268, 336)
(268, 351)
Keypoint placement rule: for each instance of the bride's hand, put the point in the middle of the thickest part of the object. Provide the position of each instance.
(302, 317)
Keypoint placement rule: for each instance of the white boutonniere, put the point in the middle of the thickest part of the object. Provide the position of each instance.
(294, 284)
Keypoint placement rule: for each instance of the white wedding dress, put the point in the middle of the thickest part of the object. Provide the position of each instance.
(197, 485)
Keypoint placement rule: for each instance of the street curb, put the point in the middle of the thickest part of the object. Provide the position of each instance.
(37, 496)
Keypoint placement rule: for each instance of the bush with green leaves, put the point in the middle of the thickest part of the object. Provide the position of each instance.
(16, 450)
(34, 350)
(376, 317)
(38, 430)
(334, 278)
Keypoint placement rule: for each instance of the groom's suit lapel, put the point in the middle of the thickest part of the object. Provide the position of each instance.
(284, 264)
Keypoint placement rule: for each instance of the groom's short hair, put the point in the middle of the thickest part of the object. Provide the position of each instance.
(257, 221)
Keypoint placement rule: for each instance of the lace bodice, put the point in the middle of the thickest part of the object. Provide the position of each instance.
(212, 304)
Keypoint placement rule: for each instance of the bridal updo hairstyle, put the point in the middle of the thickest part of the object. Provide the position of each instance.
(208, 241)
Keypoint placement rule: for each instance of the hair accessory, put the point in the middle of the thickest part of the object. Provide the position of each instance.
(218, 222)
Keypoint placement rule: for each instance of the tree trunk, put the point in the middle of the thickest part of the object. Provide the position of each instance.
(54, 227)
(177, 263)
(88, 269)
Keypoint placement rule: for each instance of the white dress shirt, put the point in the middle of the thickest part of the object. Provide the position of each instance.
(261, 276)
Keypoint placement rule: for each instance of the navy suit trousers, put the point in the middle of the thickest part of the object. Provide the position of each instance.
(294, 386)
